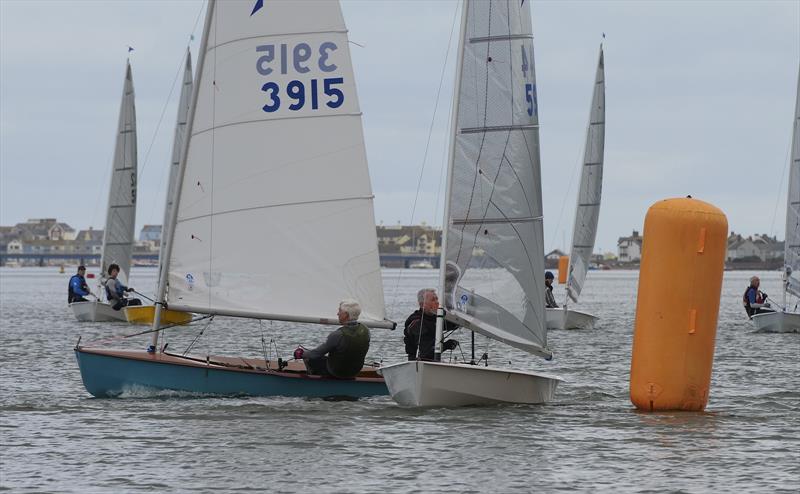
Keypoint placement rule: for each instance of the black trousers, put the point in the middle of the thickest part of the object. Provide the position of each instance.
(125, 302)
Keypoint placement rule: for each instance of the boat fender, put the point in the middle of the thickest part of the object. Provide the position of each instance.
(685, 241)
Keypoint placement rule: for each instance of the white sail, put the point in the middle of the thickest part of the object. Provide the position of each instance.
(177, 149)
(590, 191)
(792, 242)
(274, 208)
(493, 239)
(118, 235)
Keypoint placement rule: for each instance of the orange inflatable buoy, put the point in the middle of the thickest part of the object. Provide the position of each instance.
(680, 280)
(563, 265)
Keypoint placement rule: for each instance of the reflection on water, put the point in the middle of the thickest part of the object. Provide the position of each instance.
(57, 438)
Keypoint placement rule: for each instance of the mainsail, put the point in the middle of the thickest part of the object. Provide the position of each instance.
(274, 205)
(587, 211)
(493, 224)
(177, 149)
(792, 243)
(119, 232)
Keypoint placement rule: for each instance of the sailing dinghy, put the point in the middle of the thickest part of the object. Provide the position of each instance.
(143, 314)
(491, 279)
(118, 236)
(587, 211)
(787, 319)
(273, 215)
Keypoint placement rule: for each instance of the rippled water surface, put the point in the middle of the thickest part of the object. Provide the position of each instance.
(55, 437)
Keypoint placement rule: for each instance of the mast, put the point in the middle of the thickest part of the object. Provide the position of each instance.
(437, 352)
(173, 216)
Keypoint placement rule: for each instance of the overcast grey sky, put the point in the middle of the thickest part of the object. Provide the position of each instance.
(700, 97)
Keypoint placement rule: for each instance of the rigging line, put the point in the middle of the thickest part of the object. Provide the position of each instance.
(427, 145)
(787, 159)
(163, 110)
(575, 169)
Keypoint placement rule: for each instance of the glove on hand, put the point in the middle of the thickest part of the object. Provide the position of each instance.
(298, 353)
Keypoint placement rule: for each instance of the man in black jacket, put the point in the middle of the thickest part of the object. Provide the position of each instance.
(419, 334)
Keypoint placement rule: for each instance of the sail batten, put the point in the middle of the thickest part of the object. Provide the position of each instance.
(590, 190)
(493, 243)
(118, 236)
(275, 212)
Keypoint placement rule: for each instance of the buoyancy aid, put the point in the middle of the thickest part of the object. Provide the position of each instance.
(348, 358)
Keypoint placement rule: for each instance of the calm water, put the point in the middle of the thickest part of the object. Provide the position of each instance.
(55, 437)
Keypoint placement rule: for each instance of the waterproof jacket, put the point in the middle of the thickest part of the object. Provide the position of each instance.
(346, 349)
(77, 288)
(419, 334)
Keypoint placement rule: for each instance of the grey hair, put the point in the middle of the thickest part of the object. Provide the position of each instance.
(421, 295)
(352, 308)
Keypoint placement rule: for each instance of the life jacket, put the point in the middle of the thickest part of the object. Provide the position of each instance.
(71, 295)
(119, 288)
(746, 301)
(348, 358)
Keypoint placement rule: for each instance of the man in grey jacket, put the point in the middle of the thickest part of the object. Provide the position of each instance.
(343, 352)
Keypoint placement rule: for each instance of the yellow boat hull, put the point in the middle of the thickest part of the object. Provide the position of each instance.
(143, 314)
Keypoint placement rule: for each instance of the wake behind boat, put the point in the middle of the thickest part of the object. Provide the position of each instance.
(587, 211)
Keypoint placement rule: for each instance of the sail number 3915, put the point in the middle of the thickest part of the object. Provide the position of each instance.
(298, 93)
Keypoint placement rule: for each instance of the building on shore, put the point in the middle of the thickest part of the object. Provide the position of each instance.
(629, 249)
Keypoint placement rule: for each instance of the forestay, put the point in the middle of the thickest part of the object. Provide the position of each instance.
(792, 244)
(587, 210)
(494, 246)
(275, 215)
(177, 150)
(118, 235)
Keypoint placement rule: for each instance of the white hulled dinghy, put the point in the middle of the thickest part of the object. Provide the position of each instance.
(787, 318)
(587, 211)
(273, 215)
(118, 236)
(492, 276)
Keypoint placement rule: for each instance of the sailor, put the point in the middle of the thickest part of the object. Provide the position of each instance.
(343, 352)
(419, 334)
(115, 290)
(549, 299)
(754, 300)
(77, 287)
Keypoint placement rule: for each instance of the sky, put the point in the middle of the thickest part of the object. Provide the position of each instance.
(699, 100)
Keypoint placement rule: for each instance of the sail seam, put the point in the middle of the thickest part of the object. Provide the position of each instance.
(276, 35)
(269, 206)
(491, 221)
(497, 128)
(502, 37)
(356, 114)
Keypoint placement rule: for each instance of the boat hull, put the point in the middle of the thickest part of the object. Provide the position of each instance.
(559, 318)
(431, 384)
(144, 314)
(109, 373)
(94, 311)
(777, 322)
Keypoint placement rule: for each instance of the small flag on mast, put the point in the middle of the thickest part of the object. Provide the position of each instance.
(130, 49)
